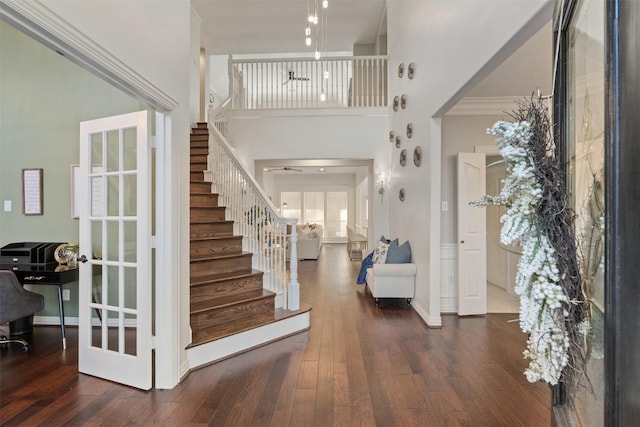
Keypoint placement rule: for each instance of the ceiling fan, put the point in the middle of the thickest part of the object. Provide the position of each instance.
(291, 76)
(286, 168)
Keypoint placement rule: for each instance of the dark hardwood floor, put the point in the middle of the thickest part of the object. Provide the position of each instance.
(357, 365)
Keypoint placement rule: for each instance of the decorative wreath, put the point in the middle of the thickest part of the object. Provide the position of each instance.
(553, 306)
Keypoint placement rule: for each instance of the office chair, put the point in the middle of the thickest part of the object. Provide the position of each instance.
(16, 303)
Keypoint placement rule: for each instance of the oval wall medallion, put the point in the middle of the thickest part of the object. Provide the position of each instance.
(411, 70)
(417, 156)
(403, 101)
(409, 130)
(396, 103)
(403, 157)
(392, 136)
(401, 70)
(398, 141)
(401, 194)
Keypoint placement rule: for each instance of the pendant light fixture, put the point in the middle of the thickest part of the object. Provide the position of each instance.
(320, 23)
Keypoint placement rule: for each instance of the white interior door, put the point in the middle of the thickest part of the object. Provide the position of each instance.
(472, 236)
(115, 232)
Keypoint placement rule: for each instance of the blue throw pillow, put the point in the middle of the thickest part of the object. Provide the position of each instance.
(399, 254)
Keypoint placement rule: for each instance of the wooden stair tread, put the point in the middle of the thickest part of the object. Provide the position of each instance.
(221, 256)
(229, 300)
(208, 238)
(217, 332)
(202, 193)
(209, 221)
(223, 277)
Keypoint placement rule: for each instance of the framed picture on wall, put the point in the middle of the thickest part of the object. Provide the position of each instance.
(32, 186)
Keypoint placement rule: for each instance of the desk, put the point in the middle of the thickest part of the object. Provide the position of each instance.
(46, 274)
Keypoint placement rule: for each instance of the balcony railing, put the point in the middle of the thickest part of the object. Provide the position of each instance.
(308, 83)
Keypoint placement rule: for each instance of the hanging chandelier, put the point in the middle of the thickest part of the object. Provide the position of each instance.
(319, 23)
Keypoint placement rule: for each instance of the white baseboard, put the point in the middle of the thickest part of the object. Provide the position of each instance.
(54, 320)
(431, 321)
(226, 347)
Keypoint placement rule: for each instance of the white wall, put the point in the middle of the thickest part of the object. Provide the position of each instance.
(450, 44)
(361, 214)
(194, 67)
(218, 78)
(316, 134)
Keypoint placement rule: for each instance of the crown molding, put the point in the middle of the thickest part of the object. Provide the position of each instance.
(39, 22)
(484, 106)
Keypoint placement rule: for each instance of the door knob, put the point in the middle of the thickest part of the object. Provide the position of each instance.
(461, 241)
(83, 258)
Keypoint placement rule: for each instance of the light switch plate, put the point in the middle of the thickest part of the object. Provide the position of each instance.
(7, 205)
(445, 206)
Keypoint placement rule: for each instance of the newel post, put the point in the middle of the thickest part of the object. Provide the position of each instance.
(294, 286)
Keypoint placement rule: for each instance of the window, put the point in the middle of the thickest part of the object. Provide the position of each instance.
(314, 207)
(329, 209)
(337, 208)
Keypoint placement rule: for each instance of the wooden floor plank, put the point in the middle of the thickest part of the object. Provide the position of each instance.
(358, 365)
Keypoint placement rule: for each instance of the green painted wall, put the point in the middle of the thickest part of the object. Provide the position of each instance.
(43, 99)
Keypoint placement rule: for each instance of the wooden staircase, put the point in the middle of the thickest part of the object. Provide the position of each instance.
(227, 296)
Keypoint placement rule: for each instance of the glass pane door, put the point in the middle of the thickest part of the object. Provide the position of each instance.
(115, 232)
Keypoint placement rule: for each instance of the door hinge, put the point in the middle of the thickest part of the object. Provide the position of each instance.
(153, 342)
(154, 141)
(154, 242)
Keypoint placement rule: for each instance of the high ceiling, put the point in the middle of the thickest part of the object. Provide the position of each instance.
(263, 27)
(278, 26)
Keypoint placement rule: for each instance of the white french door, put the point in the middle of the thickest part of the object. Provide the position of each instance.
(115, 333)
(472, 238)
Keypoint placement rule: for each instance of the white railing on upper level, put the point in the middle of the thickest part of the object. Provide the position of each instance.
(265, 233)
(359, 81)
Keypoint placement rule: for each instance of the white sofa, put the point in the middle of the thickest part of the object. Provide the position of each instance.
(392, 281)
(310, 238)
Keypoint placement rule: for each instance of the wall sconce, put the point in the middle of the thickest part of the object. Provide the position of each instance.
(381, 190)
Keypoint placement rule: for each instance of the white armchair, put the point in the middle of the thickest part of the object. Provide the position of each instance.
(392, 281)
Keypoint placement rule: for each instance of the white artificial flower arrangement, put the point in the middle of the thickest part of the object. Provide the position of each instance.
(537, 279)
